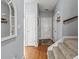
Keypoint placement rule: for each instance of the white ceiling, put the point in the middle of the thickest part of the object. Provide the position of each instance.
(44, 4)
(47, 4)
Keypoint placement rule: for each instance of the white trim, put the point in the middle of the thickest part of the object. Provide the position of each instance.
(8, 38)
(10, 18)
(24, 31)
(11, 36)
(70, 37)
(35, 45)
(15, 10)
(15, 15)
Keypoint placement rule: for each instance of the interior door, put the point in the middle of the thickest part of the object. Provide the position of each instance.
(46, 28)
(31, 37)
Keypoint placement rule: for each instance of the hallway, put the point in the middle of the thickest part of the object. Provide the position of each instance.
(36, 52)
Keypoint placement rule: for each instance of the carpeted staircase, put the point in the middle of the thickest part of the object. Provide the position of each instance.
(66, 49)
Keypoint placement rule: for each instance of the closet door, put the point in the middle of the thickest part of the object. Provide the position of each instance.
(31, 24)
(45, 25)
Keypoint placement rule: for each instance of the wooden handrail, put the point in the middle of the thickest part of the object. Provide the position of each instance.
(70, 18)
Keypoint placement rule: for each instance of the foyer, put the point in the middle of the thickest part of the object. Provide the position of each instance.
(39, 29)
(54, 25)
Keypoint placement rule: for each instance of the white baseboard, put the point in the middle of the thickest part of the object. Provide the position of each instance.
(35, 45)
(70, 37)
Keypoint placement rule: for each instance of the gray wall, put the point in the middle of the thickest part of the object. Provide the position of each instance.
(14, 47)
(71, 29)
(5, 27)
(68, 9)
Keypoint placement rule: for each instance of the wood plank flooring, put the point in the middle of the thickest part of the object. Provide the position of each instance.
(39, 52)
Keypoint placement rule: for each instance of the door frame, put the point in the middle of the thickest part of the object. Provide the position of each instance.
(55, 26)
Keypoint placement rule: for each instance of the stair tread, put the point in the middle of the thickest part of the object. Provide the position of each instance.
(69, 54)
(58, 54)
(72, 44)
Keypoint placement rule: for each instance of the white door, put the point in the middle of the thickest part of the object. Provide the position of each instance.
(46, 28)
(30, 24)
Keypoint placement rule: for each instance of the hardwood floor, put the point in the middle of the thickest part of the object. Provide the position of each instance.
(39, 52)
